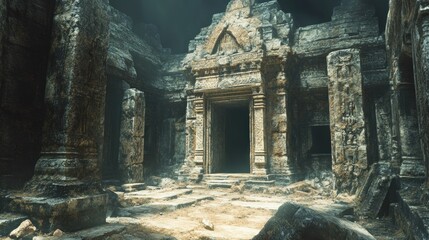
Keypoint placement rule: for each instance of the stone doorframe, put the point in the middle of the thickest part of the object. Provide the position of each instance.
(203, 110)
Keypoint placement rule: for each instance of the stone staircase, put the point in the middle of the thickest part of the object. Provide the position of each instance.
(223, 180)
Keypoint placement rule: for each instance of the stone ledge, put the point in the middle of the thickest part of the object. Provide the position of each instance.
(67, 214)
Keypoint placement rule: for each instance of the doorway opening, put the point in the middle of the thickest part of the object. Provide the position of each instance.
(231, 138)
(320, 152)
(112, 126)
(321, 140)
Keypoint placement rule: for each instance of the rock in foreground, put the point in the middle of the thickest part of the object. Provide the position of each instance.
(295, 222)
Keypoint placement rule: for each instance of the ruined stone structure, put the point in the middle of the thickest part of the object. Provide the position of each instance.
(89, 97)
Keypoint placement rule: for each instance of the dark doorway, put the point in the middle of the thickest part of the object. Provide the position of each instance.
(112, 125)
(321, 140)
(237, 140)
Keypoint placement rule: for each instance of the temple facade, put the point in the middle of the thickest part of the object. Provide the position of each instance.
(88, 98)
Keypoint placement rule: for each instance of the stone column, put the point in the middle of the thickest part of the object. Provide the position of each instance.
(259, 145)
(69, 167)
(189, 164)
(199, 134)
(75, 92)
(394, 102)
(349, 150)
(421, 68)
(131, 146)
(279, 161)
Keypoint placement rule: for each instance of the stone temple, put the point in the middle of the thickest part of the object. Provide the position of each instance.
(95, 114)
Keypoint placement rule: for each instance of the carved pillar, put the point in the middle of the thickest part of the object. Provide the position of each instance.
(421, 65)
(199, 132)
(394, 102)
(75, 93)
(190, 129)
(67, 174)
(259, 145)
(349, 150)
(131, 148)
(278, 158)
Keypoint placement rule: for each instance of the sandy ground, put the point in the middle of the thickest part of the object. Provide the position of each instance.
(234, 215)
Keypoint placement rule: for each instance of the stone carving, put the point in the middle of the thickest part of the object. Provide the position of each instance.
(347, 119)
(131, 150)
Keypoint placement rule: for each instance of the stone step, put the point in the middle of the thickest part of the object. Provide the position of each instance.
(221, 176)
(133, 187)
(146, 196)
(222, 183)
(158, 207)
(10, 221)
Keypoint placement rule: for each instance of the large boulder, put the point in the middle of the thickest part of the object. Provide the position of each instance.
(295, 222)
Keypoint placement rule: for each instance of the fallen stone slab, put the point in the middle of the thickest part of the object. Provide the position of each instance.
(380, 184)
(180, 203)
(334, 209)
(169, 206)
(295, 222)
(143, 197)
(100, 232)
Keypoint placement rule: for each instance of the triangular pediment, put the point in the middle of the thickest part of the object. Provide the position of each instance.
(227, 43)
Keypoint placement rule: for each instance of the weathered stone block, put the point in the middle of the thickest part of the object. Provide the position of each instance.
(349, 154)
(295, 222)
(67, 214)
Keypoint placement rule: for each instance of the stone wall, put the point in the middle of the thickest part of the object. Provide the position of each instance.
(420, 38)
(406, 70)
(25, 31)
(353, 23)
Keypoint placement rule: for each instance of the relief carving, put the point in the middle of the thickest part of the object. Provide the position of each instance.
(347, 121)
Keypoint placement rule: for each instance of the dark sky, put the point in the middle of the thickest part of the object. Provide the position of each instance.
(179, 21)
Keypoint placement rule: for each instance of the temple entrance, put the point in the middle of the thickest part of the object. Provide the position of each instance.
(230, 138)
